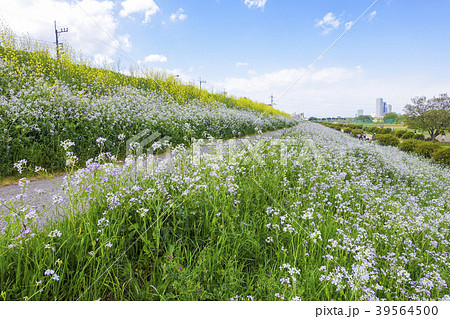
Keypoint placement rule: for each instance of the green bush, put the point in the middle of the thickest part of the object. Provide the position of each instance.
(420, 137)
(378, 130)
(408, 145)
(442, 155)
(347, 130)
(399, 133)
(355, 132)
(408, 135)
(370, 129)
(386, 139)
(426, 148)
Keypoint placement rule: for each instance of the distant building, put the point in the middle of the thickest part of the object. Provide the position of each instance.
(388, 108)
(381, 108)
(359, 112)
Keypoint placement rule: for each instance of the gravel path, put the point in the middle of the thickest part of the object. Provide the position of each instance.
(40, 193)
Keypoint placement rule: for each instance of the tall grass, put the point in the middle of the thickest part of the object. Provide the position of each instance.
(315, 215)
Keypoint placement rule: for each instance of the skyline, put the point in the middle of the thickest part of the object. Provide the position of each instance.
(398, 50)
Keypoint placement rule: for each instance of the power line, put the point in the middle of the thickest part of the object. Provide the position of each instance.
(324, 52)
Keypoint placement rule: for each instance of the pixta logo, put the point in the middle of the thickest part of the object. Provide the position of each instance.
(142, 147)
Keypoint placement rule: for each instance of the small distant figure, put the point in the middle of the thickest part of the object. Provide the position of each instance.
(443, 137)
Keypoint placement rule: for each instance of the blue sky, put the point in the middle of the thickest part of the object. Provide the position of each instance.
(398, 50)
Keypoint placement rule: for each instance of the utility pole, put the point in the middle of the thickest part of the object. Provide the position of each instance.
(57, 39)
(200, 81)
(271, 100)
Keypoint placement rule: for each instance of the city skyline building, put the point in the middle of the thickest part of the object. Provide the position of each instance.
(389, 108)
(381, 108)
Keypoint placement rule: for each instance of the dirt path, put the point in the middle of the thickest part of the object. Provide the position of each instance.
(43, 193)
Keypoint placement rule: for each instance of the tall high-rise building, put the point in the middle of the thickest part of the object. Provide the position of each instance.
(389, 108)
(379, 108)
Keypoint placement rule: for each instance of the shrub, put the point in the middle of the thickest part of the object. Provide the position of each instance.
(378, 130)
(370, 129)
(429, 139)
(386, 139)
(420, 137)
(347, 130)
(355, 132)
(408, 145)
(399, 133)
(426, 148)
(337, 128)
(442, 155)
(408, 135)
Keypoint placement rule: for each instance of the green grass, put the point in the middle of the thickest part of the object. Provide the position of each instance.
(310, 220)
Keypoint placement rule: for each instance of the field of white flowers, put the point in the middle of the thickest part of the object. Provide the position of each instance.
(313, 215)
(44, 102)
(36, 117)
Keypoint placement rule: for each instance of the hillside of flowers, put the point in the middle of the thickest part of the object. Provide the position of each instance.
(44, 101)
(313, 215)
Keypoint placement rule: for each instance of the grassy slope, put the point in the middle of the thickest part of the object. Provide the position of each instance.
(46, 101)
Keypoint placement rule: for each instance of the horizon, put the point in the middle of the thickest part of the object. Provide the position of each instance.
(256, 48)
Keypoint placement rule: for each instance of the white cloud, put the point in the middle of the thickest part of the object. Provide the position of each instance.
(255, 3)
(238, 64)
(333, 91)
(263, 82)
(333, 75)
(148, 7)
(329, 22)
(349, 24)
(284, 78)
(101, 60)
(178, 16)
(372, 15)
(36, 17)
(124, 41)
(155, 58)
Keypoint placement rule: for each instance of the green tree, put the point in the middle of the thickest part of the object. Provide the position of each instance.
(432, 115)
(365, 118)
(391, 116)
